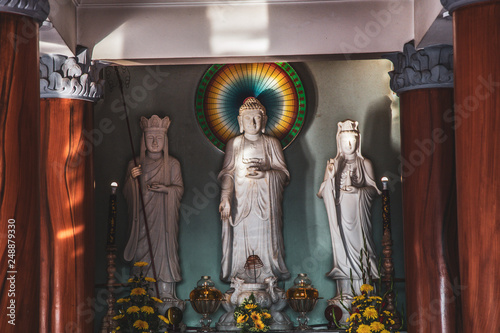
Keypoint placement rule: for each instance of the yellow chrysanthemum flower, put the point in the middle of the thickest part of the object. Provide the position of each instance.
(147, 309)
(242, 319)
(375, 298)
(140, 264)
(141, 324)
(164, 319)
(250, 306)
(355, 316)
(133, 309)
(118, 317)
(259, 325)
(149, 279)
(117, 328)
(364, 329)
(370, 312)
(255, 316)
(359, 298)
(138, 291)
(266, 315)
(156, 299)
(366, 288)
(377, 326)
(131, 280)
(123, 300)
(385, 331)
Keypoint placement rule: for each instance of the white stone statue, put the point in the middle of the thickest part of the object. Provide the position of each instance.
(161, 183)
(348, 189)
(253, 177)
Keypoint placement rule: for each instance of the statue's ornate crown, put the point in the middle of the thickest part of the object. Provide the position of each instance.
(348, 126)
(252, 103)
(155, 123)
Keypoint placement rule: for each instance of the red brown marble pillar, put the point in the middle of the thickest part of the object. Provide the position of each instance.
(67, 193)
(477, 98)
(424, 81)
(19, 166)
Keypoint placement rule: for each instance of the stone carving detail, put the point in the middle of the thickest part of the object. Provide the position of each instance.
(452, 5)
(431, 67)
(37, 9)
(68, 77)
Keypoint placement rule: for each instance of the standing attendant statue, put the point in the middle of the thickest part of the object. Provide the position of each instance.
(253, 177)
(348, 190)
(161, 182)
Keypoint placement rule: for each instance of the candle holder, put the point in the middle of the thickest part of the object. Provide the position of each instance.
(108, 324)
(387, 263)
(205, 300)
(302, 298)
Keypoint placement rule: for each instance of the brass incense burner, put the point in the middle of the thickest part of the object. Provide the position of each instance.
(302, 298)
(205, 300)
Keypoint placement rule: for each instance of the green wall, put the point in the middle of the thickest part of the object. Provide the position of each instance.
(336, 90)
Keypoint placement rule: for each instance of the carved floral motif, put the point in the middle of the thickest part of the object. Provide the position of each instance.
(431, 67)
(452, 5)
(66, 77)
(37, 9)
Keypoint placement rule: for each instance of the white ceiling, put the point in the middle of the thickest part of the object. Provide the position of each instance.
(209, 31)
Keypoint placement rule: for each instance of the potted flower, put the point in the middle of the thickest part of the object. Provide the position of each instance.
(138, 313)
(250, 317)
(367, 315)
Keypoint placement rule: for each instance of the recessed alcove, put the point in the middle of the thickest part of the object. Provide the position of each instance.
(335, 90)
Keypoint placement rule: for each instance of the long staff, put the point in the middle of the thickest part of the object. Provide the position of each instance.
(138, 184)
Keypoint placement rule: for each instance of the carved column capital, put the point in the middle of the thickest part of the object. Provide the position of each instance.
(452, 5)
(37, 9)
(70, 77)
(430, 67)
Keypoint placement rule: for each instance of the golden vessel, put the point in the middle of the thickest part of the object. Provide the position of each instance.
(205, 300)
(302, 298)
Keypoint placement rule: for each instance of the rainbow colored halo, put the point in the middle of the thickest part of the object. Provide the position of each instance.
(223, 89)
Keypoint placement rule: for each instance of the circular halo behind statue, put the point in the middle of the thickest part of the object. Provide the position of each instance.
(223, 89)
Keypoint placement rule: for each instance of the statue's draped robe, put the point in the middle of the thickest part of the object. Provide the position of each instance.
(162, 211)
(349, 217)
(256, 211)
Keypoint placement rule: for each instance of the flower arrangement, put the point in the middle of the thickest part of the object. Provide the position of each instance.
(138, 312)
(250, 317)
(367, 315)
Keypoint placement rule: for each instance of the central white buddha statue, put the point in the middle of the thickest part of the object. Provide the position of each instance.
(253, 177)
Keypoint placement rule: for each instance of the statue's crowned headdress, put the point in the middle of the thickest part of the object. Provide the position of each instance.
(155, 123)
(348, 126)
(252, 103)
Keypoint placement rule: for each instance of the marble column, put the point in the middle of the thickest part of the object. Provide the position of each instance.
(19, 164)
(423, 80)
(68, 88)
(476, 27)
